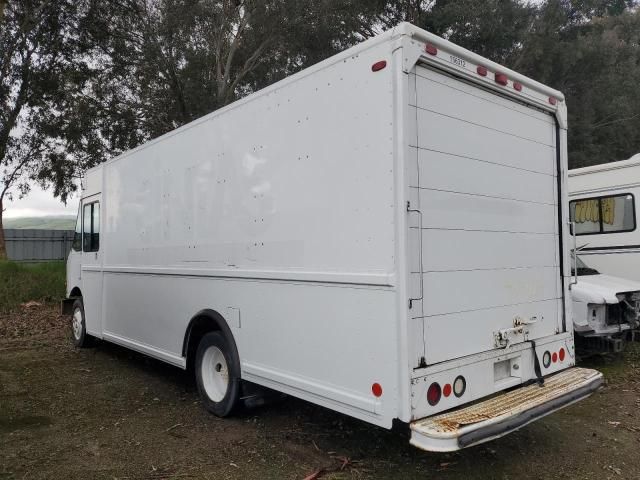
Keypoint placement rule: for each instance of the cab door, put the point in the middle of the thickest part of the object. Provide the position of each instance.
(91, 271)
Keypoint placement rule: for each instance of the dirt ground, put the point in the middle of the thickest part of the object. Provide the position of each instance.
(109, 413)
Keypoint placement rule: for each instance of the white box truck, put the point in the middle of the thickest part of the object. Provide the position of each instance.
(382, 234)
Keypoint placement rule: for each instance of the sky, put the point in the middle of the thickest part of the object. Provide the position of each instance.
(39, 203)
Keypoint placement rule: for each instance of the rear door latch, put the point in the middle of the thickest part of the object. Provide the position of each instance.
(516, 334)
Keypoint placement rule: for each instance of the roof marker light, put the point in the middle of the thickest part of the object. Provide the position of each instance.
(430, 49)
(482, 71)
(501, 78)
(553, 100)
(517, 86)
(378, 65)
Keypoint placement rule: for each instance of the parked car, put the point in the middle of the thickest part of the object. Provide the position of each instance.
(605, 308)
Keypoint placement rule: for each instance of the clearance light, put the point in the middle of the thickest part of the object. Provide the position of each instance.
(376, 389)
(553, 100)
(459, 386)
(501, 78)
(433, 394)
(546, 359)
(431, 49)
(517, 86)
(378, 65)
(482, 71)
(561, 355)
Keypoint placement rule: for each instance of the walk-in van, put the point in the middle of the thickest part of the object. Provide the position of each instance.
(384, 234)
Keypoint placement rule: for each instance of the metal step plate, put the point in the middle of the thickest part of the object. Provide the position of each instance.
(503, 413)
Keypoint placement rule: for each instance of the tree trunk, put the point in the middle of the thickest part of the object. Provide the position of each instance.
(3, 248)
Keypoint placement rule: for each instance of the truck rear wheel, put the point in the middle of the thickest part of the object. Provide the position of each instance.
(217, 374)
(78, 326)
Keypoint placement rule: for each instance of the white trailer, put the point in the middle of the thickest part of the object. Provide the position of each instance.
(382, 234)
(602, 205)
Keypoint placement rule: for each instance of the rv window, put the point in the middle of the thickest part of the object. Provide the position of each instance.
(610, 214)
(91, 227)
(77, 236)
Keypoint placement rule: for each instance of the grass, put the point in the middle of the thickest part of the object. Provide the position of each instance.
(20, 283)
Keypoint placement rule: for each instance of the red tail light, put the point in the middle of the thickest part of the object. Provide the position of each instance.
(561, 354)
(554, 357)
(433, 394)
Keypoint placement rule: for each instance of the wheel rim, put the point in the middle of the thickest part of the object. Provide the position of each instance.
(76, 324)
(215, 373)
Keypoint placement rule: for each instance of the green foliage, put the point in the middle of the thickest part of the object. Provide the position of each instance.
(20, 283)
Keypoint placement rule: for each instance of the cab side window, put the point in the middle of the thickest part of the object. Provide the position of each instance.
(77, 236)
(91, 227)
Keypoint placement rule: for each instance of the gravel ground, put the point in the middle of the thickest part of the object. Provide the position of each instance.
(108, 413)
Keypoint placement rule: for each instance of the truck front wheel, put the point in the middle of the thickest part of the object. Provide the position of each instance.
(78, 326)
(217, 374)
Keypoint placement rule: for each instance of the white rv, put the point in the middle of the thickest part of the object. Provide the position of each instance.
(603, 207)
(383, 234)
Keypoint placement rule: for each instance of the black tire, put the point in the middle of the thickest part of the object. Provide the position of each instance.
(206, 364)
(81, 338)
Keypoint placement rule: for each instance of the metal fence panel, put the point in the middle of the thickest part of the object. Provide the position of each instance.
(38, 245)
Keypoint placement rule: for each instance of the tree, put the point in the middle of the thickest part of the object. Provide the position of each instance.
(35, 46)
(589, 51)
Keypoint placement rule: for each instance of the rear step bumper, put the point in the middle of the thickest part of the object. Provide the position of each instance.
(503, 413)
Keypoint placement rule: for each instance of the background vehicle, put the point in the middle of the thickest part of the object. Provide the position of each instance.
(605, 308)
(603, 207)
(356, 235)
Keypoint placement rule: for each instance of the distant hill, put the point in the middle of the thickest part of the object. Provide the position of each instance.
(61, 222)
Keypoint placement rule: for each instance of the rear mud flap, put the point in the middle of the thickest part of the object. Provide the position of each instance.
(504, 413)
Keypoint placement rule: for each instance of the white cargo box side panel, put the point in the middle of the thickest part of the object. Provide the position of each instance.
(281, 206)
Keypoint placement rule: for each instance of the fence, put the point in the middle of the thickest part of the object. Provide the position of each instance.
(38, 245)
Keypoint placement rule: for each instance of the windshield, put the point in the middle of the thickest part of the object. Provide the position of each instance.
(583, 269)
